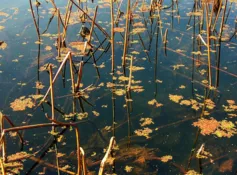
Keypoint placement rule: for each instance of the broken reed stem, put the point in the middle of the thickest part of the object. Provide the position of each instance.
(33, 16)
(212, 12)
(99, 27)
(208, 46)
(165, 40)
(102, 164)
(67, 17)
(51, 92)
(3, 145)
(2, 167)
(92, 25)
(130, 75)
(55, 77)
(126, 35)
(112, 33)
(217, 16)
(59, 35)
(222, 21)
(79, 76)
(83, 161)
(12, 125)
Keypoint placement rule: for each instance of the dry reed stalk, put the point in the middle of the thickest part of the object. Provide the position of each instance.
(102, 164)
(92, 24)
(97, 25)
(55, 7)
(2, 167)
(67, 17)
(51, 91)
(3, 145)
(217, 16)
(79, 76)
(208, 46)
(165, 40)
(12, 125)
(35, 23)
(112, 33)
(72, 81)
(83, 161)
(212, 12)
(59, 35)
(55, 77)
(50, 165)
(126, 35)
(201, 38)
(130, 75)
(222, 21)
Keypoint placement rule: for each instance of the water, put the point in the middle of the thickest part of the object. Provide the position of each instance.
(173, 70)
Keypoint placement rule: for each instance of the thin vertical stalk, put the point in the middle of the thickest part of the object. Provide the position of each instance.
(208, 46)
(130, 75)
(33, 16)
(51, 91)
(92, 24)
(126, 35)
(4, 143)
(112, 33)
(59, 35)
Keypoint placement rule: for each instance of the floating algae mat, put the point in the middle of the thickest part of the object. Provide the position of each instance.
(118, 87)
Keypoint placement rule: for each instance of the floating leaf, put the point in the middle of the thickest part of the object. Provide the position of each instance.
(143, 132)
(166, 158)
(146, 121)
(155, 103)
(22, 103)
(207, 126)
(128, 169)
(175, 98)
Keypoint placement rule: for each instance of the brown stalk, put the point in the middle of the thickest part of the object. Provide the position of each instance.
(2, 167)
(97, 25)
(59, 35)
(208, 46)
(92, 24)
(83, 161)
(217, 16)
(33, 16)
(222, 21)
(79, 76)
(126, 34)
(51, 90)
(72, 81)
(130, 75)
(165, 40)
(4, 143)
(112, 32)
(102, 164)
(67, 17)
(55, 77)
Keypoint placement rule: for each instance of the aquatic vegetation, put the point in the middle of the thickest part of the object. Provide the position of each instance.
(175, 98)
(99, 69)
(154, 103)
(207, 126)
(22, 103)
(143, 132)
(146, 121)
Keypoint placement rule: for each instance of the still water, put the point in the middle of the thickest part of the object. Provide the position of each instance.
(172, 118)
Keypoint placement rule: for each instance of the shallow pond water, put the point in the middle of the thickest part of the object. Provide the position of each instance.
(167, 114)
